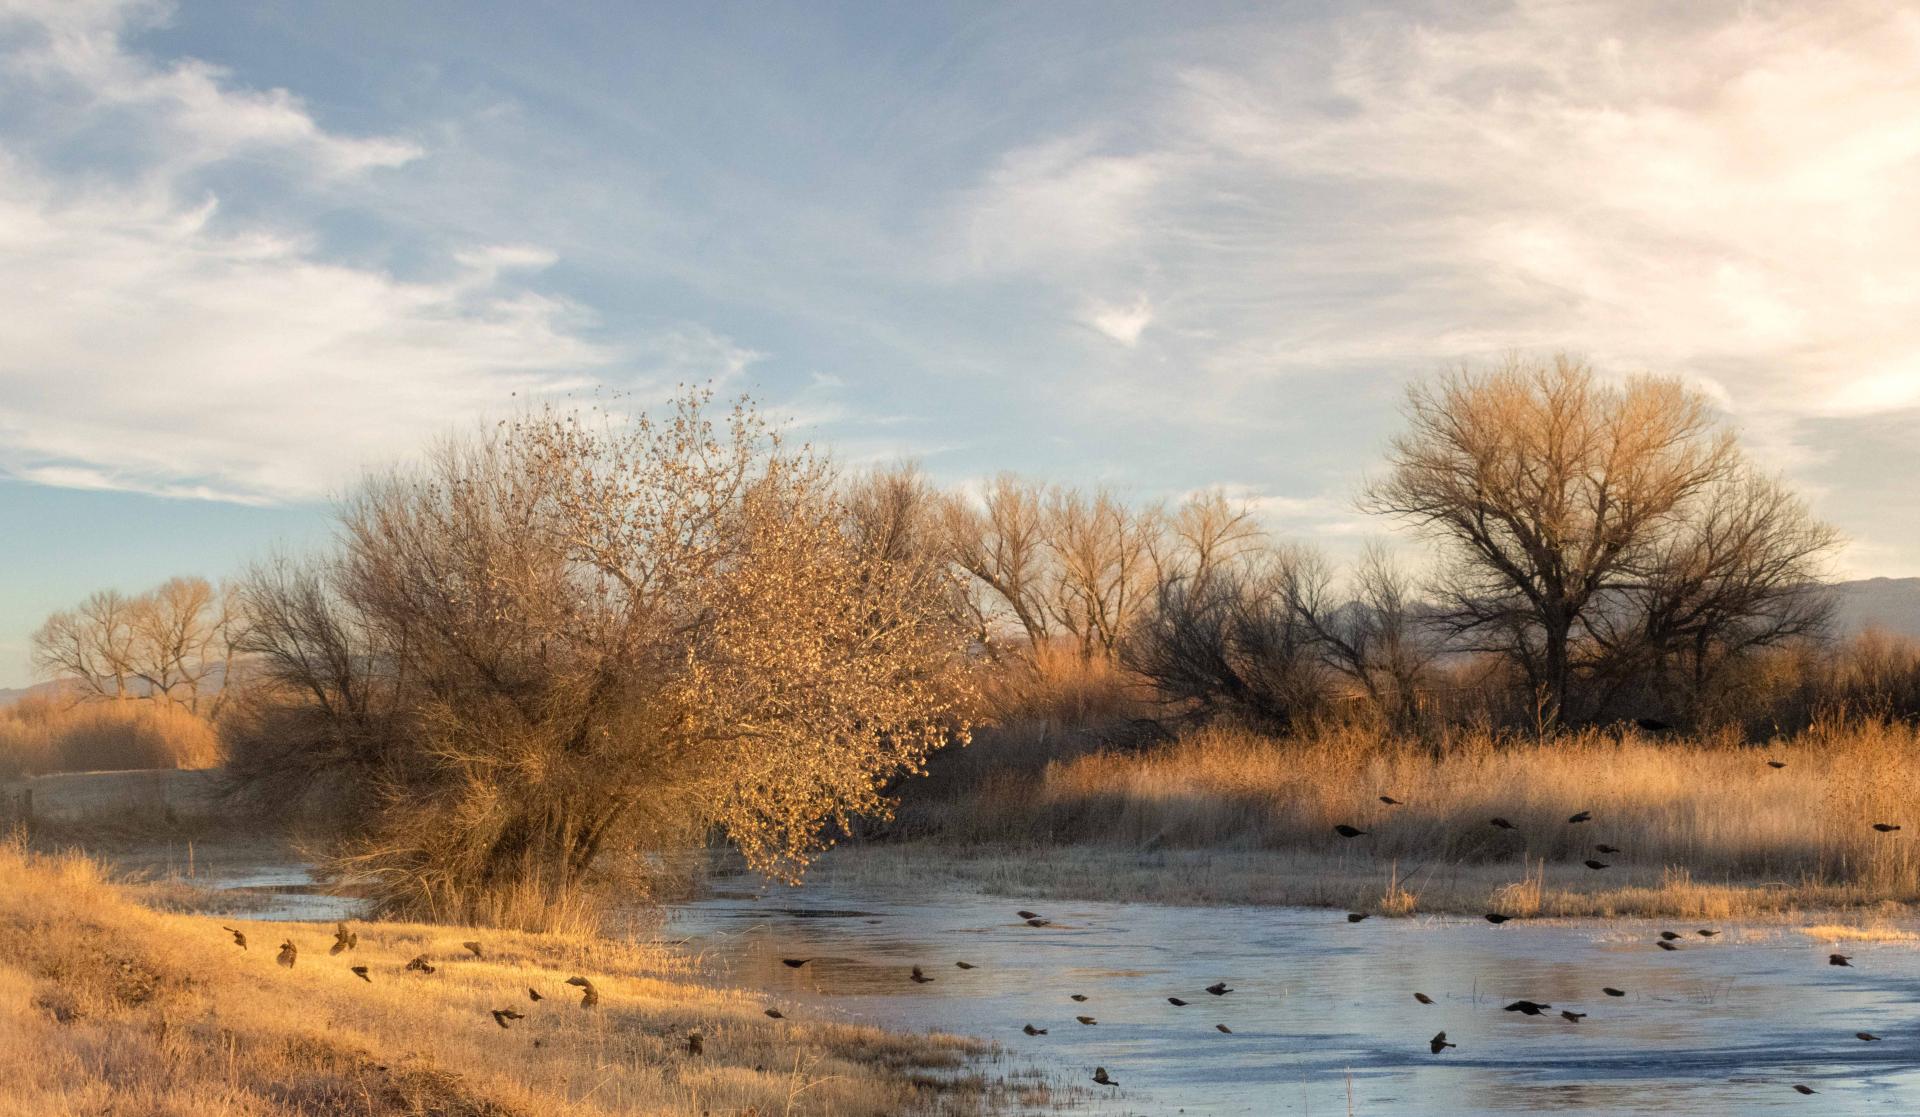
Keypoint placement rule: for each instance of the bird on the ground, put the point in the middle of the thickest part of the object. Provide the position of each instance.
(1665, 945)
(1026, 914)
(1086, 1020)
(1036, 921)
(696, 1043)
(1886, 827)
(1531, 1008)
(1423, 998)
(1076, 996)
(1840, 960)
(1776, 764)
(1439, 1043)
(1346, 831)
(1223, 1028)
(1798, 1088)
(1865, 1037)
(1496, 918)
(473, 948)
(1706, 934)
(1033, 1031)
(288, 952)
(589, 996)
(1391, 801)
(420, 963)
(343, 939)
(794, 963)
(1176, 1002)
(1595, 865)
(1502, 824)
(361, 973)
(776, 1014)
(1612, 992)
(1100, 1076)
(1605, 848)
(502, 1015)
(1356, 916)
(917, 977)
(1219, 989)
(239, 939)
(1669, 935)
(1652, 725)
(534, 994)
(1583, 816)
(964, 965)
(1571, 1016)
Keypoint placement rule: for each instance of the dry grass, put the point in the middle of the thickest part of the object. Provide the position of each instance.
(108, 1008)
(39, 735)
(1706, 827)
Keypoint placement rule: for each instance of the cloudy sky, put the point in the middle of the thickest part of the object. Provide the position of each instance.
(248, 249)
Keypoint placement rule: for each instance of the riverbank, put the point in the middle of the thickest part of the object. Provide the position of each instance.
(107, 1006)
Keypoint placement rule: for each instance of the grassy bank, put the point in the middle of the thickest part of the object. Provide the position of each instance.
(107, 1007)
(1704, 828)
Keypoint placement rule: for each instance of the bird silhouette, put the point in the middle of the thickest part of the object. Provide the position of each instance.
(1665, 945)
(288, 952)
(472, 947)
(917, 977)
(1219, 989)
(1223, 1028)
(1356, 916)
(1076, 996)
(1033, 1031)
(794, 963)
(964, 965)
(1798, 1088)
(1886, 827)
(1100, 1076)
(1706, 934)
(1612, 992)
(1088, 1020)
(1423, 998)
(696, 1043)
(1669, 935)
(589, 996)
(343, 939)
(1439, 1043)
(361, 973)
(1176, 1002)
(1583, 816)
(534, 994)
(1776, 764)
(1391, 801)
(239, 939)
(1346, 831)
(1595, 865)
(1531, 1008)
(1036, 921)
(1571, 1016)
(1865, 1037)
(1496, 918)
(502, 1015)
(1027, 914)
(1840, 960)
(1652, 725)
(420, 963)
(1502, 824)
(1605, 848)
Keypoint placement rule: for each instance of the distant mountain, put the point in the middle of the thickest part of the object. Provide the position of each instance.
(1889, 604)
(10, 695)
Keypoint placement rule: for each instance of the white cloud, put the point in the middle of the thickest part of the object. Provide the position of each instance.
(1121, 323)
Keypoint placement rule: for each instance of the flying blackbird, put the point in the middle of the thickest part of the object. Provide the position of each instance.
(502, 1015)
(1346, 831)
(1391, 801)
(1423, 998)
(1669, 935)
(1571, 1016)
(343, 939)
(1033, 1031)
(1776, 764)
(1503, 824)
(917, 977)
(964, 965)
(696, 1043)
(288, 952)
(239, 939)
(1176, 1002)
(1439, 1043)
(1595, 865)
(1223, 1028)
(776, 1014)
(1886, 827)
(1496, 918)
(1665, 945)
(1077, 996)
(1531, 1008)
(1804, 1089)
(589, 996)
(1086, 1020)
(1612, 992)
(1652, 725)
(472, 946)
(1583, 816)
(1027, 914)
(1865, 1037)
(361, 973)
(794, 963)
(1219, 989)
(1036, 921)
(1356, 916)
(1100, 1076)
(420, 963)
(1605, 848)
(1706, 934)
(1840, 960)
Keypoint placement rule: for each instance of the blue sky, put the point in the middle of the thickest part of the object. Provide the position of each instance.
(252, 249)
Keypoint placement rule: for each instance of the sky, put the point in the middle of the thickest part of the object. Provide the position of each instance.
(249, 251)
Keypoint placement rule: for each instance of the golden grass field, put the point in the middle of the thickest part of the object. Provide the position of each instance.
(108, 1008)
(1705, 827)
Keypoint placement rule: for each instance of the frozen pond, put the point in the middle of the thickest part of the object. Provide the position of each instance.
(1320, 1006)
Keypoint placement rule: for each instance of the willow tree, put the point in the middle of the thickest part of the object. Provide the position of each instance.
(587, 632)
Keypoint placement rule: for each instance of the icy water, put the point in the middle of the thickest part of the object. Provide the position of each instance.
(1322, 1010)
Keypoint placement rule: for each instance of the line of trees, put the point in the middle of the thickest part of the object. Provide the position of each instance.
(173, 644)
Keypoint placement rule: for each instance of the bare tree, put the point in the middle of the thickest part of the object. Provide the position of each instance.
(1208, 532)
(91, 645)
(1375, 635)
(1001, 543)
(172, 644)
(1104, 570)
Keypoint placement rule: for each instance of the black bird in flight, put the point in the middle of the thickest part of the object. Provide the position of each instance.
(964, 965)
(794, 963)
(917, 977)
(1605, 848)
(1669, 935)
(288, 952)
(1033, 1031)
(1706, 934)
(239, 939)
(1176, 1002)
(1356, 916)
(696, 1043)
(1595, 865)
(1346, 831)
(1502, 824)
(1423, 998)
(589, 996)
(1100, 1076)
(361, 973)
(1612, 992)
(1776, 764)
(1439, 1043)
(534, 994)
(1496, 918)
(1531, 1008)
(1804, 1089)
(1086, 1020)
(1571, 1016)
(1036, 921)
(502, 1015)
(1583, 816)
(343, 939)
(1652, 725)
(776, 1014)
(1865, 1037)
(420, 963)
(1886, 827)
(1077, 996)
(1840, 960)
(1027, 914)
(1223, 1028)
(1391, 801)
(473, 947)
(1665, 945)
(1219, 989)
